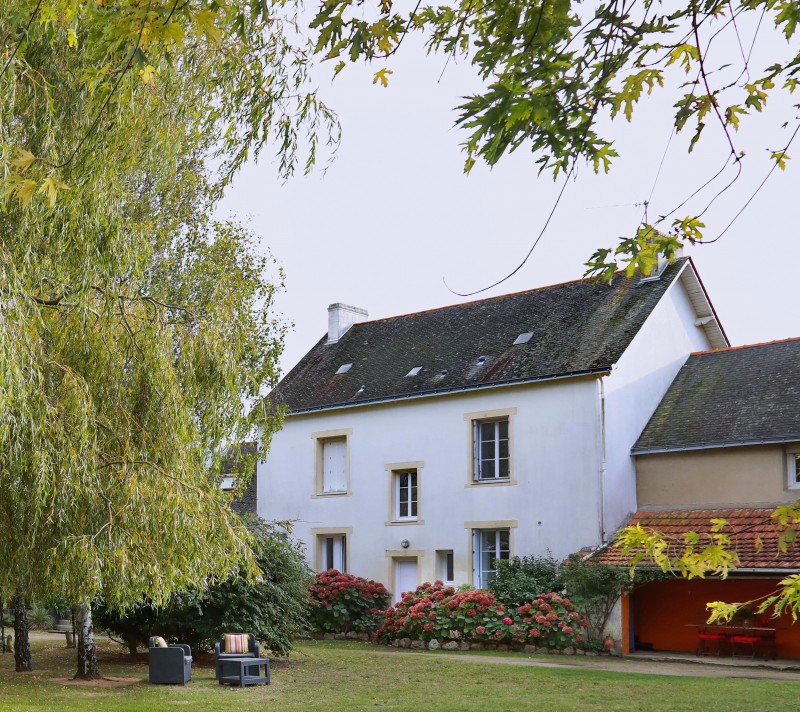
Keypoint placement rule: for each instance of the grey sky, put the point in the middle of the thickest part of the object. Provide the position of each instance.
(395, 213)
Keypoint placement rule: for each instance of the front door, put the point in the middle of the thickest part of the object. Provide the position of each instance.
(406, 577)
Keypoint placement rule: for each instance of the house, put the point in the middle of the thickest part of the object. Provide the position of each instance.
(430, 445)
(723, 443)
(235, 459)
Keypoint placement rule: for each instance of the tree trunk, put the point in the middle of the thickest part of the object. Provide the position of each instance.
(22, 646)
(87, 651)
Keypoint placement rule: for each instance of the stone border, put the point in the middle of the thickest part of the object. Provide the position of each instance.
(464, 646)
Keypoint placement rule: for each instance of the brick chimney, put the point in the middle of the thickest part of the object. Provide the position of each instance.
(341, 317)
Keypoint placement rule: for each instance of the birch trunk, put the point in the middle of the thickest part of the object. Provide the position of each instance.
(22, 646)
(87, 650)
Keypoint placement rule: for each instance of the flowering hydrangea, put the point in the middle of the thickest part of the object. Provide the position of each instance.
(342, 602)
(434, 610)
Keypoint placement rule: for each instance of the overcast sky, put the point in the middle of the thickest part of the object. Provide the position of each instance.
(395, 215)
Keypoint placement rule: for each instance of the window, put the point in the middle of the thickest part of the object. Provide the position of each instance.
(793, 468)
(405, 494)
(227, 483)
(490, 450)
(489, 546)
(334, 465)
(445, 565)
(332, 462)
(334, 552)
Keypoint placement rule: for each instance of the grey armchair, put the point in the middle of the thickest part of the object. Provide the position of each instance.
(253, 651)
(171, 665)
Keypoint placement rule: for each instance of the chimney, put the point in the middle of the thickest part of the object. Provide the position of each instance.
(341, 317)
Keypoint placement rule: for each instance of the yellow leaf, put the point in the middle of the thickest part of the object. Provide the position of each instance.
(72, 38)
(382, 76)
(26, 158)
(148, 74)
(49, 186)
(25, 191)
(205, 23)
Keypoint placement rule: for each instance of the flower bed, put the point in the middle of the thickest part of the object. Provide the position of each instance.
(435, 612)
(342, 603)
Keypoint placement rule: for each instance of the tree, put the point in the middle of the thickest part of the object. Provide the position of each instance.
(135, 331)
(556, 70)
(273, 606)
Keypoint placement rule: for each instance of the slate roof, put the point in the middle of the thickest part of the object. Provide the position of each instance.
(578, 327)
(735, 396)
(747, 526)
(247, 502)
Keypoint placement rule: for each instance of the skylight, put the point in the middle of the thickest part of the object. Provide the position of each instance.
(344, 368)
(523, 338)
(481, 360)
(414, 371)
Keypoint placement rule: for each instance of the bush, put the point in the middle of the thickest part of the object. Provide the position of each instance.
(524, 578)
(39, 618)
(436, 611)
(341, 603)
(274, 608)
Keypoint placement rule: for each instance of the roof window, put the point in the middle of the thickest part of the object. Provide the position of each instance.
(523, 338)
(414, 371)
(344, 368)
(481, 360)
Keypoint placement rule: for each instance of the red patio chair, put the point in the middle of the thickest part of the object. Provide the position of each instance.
(751, 640)
(707, 641)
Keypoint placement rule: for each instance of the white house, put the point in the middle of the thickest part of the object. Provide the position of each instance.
(430, 445)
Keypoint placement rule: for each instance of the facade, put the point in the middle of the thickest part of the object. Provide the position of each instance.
(428, 446)
(723, 444)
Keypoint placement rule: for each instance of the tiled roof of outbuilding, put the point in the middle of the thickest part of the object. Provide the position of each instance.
(742, 395)
(747, 527)
(578, 327)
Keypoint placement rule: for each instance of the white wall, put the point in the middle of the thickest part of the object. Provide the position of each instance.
(555, 462)
(635, 387)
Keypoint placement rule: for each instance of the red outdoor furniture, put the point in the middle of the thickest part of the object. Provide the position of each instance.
(707, 642)
(732, 638)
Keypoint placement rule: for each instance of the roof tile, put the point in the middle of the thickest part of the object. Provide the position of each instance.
(746, 526)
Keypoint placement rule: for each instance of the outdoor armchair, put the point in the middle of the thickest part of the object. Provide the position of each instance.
(253, 651)
(171, 665)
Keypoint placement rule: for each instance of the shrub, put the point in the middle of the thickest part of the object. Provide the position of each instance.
(436, 611)
(39, 618)
(596, 588)
(524, 578)
(342, 602)
(274, 608)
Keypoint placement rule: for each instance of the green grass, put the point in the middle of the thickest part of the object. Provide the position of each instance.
(341, 676)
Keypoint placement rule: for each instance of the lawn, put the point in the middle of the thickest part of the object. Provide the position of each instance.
(342, 676)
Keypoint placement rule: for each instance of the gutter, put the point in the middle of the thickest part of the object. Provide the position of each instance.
(605, 370)
(714, 446)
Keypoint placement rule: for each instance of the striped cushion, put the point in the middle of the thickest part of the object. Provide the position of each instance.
(237, 643)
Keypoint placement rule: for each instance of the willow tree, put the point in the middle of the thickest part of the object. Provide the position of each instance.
(133, 331)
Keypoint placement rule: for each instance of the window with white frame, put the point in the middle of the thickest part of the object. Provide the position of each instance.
(406, 502)
(491, 460)
(333, 552)
(793, 470)
(489, 546)
(333, 453)
(445, 569)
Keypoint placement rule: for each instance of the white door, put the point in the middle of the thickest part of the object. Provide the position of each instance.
(406, 577)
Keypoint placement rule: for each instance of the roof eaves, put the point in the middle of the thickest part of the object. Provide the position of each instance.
(451, 391)
(711, 446)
